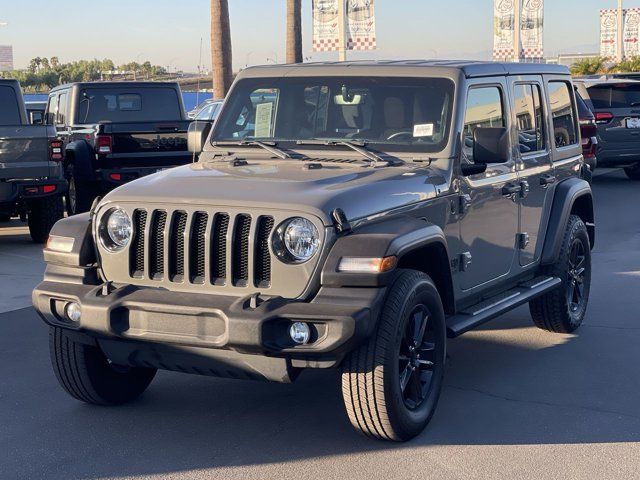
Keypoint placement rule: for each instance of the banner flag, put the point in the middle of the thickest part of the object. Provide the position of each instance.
(609, 33)
(631, 33)
(532, 29)
(503, 30)
(360, 28)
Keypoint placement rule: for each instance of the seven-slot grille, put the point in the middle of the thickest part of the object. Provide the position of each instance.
(201, 247)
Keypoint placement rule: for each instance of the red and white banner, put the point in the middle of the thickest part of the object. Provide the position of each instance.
(609, 33)
(532, 29)
(630, 33)
(360, 28)
(531, 45)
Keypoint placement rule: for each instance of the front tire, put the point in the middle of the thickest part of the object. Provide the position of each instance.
(633, 172)
(86, 374)
(80, 195)
(563, 309)
(42, 216)
(391, 384)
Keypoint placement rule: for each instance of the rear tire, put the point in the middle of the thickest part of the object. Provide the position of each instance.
(563, 309)
(42, 216)
(80, 195)
(633, 172)
(391, 384)
(86, 374)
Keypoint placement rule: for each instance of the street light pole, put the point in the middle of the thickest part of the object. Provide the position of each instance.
(620, 50)
(516, 31)
(342, 30)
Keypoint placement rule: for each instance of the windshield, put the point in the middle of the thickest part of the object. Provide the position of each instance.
(128, 104)
(208, 112)
(392, 113)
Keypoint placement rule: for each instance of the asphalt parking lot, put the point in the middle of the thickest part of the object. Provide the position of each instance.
(518, 402)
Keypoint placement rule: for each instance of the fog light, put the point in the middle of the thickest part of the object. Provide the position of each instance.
(300, 333)
(73, 312)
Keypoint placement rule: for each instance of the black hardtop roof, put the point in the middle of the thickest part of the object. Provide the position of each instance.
(9, 81)
(116, 84)
(469, 68)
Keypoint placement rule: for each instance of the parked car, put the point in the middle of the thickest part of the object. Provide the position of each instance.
(209, 111)
(35, 112)
(115, 132)
(615, 103)
(370, 212)
(31, 180)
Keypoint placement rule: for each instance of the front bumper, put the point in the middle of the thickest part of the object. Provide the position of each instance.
(213, 334)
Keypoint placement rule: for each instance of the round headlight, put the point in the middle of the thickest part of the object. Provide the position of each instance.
(115, 230)
(296, 240)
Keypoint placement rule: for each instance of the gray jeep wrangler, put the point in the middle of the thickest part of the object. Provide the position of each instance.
(349, 215)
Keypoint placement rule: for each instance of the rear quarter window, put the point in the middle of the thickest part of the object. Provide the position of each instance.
(9, 109)
(565, 127)
(619, 95)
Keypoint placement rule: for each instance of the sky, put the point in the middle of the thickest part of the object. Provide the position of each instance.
(169, 33)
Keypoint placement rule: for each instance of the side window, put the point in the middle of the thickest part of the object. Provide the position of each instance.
(530, 123)
(61, 117)
(52, 109)
(485, 108)
(565, 130)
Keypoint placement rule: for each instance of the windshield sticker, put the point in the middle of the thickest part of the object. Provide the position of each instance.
(263, 120)
(423, 130)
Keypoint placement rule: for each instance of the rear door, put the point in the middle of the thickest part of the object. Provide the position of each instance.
(617, 109)
(535, 170)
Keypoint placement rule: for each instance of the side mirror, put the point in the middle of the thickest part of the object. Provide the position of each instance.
(491, 145)
(197, 135)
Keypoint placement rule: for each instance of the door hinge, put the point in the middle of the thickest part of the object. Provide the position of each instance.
(523, 240)
(524, 189)
(465, 261)
(464, 203)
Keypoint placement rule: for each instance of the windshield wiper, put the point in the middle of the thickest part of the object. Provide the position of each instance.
(269, 147)
(356, 146)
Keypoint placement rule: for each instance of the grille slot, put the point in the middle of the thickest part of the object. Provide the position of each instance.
(262, 267)
(156, 245)
(136, 255)
(176, 247)
(219, 249)
(240, 259)
(197, 247)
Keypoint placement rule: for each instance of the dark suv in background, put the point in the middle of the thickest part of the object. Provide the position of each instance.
(615, 103)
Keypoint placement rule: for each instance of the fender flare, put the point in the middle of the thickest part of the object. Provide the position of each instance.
(397, 237)
(566, 195)
(82, 159)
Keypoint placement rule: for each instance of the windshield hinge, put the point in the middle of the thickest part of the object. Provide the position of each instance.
(340, 221)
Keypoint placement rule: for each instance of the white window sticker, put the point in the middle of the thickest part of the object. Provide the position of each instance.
(263, 120)
(423, 130)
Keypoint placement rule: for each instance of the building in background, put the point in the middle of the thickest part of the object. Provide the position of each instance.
(6, 58)
(518, 30)
(568, 59)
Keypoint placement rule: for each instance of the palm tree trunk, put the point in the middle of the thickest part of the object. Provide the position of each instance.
(294, 31)
(221, 48)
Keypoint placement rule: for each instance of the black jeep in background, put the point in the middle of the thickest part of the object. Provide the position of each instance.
(116, 132)
(31, 180)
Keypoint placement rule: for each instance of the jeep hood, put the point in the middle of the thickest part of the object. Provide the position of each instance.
(360, 191)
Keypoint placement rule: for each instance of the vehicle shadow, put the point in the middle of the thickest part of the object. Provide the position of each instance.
(508, 385)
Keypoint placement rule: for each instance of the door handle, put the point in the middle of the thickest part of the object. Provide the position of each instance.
(546, 180)
(511, 189)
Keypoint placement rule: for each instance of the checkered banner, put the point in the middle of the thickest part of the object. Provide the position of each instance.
(531, 29)
(361, 25)
(630, 33)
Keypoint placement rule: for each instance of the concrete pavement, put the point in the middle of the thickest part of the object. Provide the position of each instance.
(518, 402)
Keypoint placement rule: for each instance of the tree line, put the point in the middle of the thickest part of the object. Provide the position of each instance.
(602, 65)
(45, 73)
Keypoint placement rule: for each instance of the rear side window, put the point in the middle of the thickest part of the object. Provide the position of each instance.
(565, 130)
(530, 123)
(485, 108)
(618, 95)
(9, 110)
(120, 104)
(52, 109)
(62, 109)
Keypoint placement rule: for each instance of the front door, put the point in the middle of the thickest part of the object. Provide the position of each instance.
(533, 162)
(489, 221)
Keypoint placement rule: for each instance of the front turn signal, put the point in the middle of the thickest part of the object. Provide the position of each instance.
(367, 264)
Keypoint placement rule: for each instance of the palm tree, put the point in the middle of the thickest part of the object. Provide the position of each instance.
(221, 48)
(590, 66)
(294, 31)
